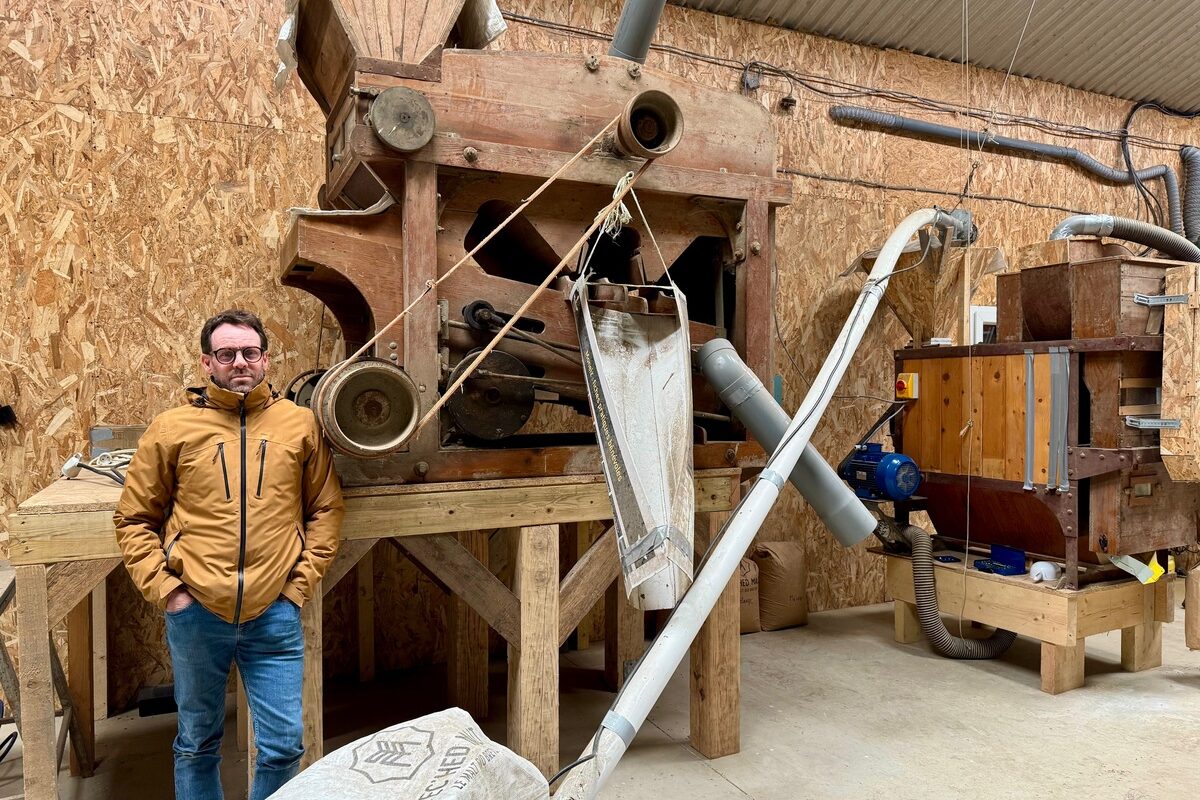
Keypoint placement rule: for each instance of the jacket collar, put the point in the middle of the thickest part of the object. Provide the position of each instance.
(212, 396)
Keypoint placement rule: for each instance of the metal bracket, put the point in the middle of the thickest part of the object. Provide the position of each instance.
(1153, 423)
(1159, 299)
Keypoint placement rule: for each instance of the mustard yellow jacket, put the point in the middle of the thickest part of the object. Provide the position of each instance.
(233, 496)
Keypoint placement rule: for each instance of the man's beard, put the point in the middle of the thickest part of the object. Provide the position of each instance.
(230, 387)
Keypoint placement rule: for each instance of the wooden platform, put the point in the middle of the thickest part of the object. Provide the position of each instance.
(1060, 618)
(63, 546)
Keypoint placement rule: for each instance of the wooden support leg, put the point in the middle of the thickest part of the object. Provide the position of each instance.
(100, 651)
(908, 624)
(37, 690)
(1141, 647)
(80, 684)
(533, 665)
(624, 635)
(1062, 667)
(364, 574)
(314, 724)
(467, 648)
(716, 669)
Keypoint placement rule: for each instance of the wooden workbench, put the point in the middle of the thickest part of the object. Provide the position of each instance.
(1061, 619)
(63, 545)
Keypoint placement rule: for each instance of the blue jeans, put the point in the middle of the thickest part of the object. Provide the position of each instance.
(269, 653)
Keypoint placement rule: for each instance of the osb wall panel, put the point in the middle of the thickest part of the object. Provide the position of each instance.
(146, 163)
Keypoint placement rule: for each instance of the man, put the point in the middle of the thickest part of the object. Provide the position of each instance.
(231, 514)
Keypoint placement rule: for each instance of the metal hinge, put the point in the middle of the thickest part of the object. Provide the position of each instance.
(1159, 299)
(1153, 423)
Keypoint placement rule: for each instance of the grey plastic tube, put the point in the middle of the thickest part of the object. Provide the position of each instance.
(1190, 156)
(961, 136)
(635, 29)
(740, 389)
(1131, 230)
(943, 642)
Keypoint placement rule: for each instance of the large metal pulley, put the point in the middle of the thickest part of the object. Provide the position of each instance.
(369, 409)
(402, 118)
(493, 403)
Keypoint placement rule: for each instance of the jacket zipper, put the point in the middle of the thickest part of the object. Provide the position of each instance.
(241, 575)
(224, 469)
(171, 546)
(262, 466)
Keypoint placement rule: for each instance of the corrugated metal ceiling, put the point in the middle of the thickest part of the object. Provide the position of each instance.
(1136, 50)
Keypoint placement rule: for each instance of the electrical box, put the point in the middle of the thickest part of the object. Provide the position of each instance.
(907, 384)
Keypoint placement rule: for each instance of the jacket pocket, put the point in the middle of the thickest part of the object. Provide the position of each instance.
(262, 466)
(220, 455)
(170, 547)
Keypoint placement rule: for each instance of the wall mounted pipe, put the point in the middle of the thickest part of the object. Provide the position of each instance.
(646, 684)
(740, 389)
(891, 123)
(1190, 156)
(635, 29)
(1131, 230)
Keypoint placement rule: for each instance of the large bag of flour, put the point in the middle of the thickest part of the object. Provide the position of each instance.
(442, 756)
(782, 602)
(748, 584)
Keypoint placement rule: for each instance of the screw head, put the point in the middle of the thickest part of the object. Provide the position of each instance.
(592, 63)
(635, 71)
(756, 247)
(470, 155)
(421, 469)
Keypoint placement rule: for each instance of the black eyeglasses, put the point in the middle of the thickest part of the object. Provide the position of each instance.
(227, 355)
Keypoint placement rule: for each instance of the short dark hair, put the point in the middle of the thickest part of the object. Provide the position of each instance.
(231, 316)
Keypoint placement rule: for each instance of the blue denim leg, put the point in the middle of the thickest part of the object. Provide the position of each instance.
(202, 648)
(270, 659)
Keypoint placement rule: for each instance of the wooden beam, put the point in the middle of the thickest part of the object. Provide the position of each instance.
(1141, 647)
(467, 645)
(314, 712)
(1191, 612)
(100, 651)
(1062, 667)
(533, 658)
(908, 624)
(39, 770)
(585, 583)
(347, 557)
(715, 708)
(624, 634)
(364, 574)
(67, 583)
(80, 683)
(466, 577)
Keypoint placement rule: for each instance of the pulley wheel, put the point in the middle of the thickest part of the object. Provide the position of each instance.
(369, 409)
(402, 119)
(300, 389)
(489, 407)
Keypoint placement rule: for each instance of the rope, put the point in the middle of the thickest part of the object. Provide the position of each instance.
(600, 220)
(338, 368)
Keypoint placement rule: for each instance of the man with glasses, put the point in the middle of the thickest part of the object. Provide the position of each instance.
(230, 515)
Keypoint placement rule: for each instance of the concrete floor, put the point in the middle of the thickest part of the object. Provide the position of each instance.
(833, 710)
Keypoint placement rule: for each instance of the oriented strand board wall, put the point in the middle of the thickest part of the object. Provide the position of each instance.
(146, 161)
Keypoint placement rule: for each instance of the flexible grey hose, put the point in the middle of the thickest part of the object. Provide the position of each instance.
(963, 137)
(1190, 156)
(943, 642)
(1131, 230)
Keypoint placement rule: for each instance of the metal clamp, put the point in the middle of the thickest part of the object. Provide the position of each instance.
(1159, 299)
(1153, 423)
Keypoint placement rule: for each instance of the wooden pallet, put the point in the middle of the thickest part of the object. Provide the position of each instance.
(1060, 618)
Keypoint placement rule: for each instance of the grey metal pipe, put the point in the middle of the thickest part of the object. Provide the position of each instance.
(635, 29)
(1190, 156)
(943, 642)
(892, 123)
(1131, 230)
(740, 389)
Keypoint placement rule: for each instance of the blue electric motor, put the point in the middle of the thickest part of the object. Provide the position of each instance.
(876, 475)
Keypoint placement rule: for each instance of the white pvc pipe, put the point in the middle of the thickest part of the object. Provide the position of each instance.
(648, 681)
